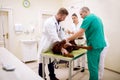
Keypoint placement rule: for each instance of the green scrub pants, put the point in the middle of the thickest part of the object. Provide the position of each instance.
(93, 57)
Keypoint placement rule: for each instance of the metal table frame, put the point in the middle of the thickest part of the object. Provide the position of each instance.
(77, 54)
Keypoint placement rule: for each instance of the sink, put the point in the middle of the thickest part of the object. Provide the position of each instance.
(28, 41)
(28, 49)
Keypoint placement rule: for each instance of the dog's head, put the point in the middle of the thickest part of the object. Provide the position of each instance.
(57, 46)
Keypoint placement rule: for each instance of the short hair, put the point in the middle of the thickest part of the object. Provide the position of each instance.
(63, 11)
(85, 9)
(74, 14)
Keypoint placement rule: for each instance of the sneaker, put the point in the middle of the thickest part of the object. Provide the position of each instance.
(76, 68)
(54, 78)
(83, 69)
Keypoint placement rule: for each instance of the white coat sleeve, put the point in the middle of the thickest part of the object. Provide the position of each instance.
(51, 31)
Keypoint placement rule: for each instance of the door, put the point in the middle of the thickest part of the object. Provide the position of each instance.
(4, 29)
(45, 17)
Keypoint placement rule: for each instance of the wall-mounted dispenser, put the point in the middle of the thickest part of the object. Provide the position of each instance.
(18, 28)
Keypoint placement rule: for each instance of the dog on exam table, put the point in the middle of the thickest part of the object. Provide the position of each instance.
(57, 46)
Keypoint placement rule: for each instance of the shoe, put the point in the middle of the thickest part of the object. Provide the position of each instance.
(83, 69)
(76, 68)
(54, 78)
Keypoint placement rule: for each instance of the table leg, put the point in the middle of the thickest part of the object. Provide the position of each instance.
(43, 67)
(70, 66)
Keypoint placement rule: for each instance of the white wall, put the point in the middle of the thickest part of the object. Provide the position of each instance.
(27, 17)
(73, 6)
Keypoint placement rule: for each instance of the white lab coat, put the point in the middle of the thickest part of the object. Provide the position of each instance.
(102, 58)
(75, 28)
(52, 32)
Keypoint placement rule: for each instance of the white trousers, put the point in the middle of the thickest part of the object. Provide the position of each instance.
(80, 60)
(101, 63)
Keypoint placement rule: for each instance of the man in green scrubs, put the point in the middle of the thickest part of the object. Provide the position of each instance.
(93, 28)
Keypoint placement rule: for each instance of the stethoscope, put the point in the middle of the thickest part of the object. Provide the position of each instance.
(58, 29)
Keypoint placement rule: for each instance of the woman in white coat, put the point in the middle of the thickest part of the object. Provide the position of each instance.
(52, 32)
(74, 28)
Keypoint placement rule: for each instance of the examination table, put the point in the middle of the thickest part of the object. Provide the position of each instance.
(77, 54)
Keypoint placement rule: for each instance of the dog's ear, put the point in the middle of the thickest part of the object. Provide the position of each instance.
(56, 48)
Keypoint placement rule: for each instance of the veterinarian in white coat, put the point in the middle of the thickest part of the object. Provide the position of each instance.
(52, 32)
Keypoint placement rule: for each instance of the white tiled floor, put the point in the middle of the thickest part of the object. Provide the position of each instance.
(62, 73)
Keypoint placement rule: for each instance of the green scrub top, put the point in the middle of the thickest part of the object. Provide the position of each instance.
(94, 32)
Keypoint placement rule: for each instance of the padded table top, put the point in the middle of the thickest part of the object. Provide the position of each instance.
(76, 53)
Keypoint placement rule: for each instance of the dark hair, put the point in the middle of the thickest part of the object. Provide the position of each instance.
(63, 11)
(74, 14)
